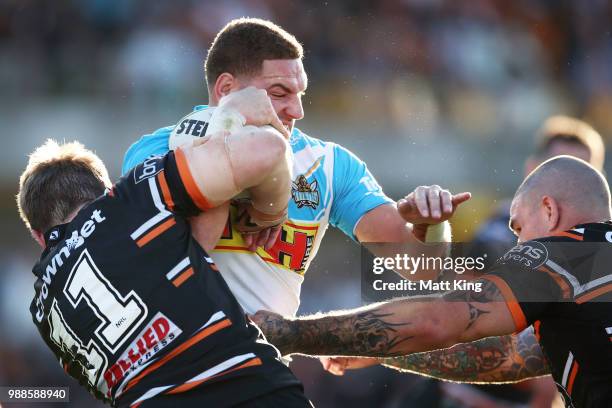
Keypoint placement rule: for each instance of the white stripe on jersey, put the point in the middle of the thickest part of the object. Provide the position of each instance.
(566, 370)
(213, 319)
(151, 393)
(227, 364)
(178, 268)
(163, 213)
(578, 288)
(571, 278)
(219, 368)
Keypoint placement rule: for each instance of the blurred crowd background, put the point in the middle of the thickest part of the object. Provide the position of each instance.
(425, 91)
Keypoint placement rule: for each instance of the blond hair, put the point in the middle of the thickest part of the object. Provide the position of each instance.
(566, 128)
(57, 180)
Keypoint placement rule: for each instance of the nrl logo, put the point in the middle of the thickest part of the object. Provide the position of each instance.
(305, 193)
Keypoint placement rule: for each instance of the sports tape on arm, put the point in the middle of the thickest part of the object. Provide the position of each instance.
(438, 232)
(268, 185)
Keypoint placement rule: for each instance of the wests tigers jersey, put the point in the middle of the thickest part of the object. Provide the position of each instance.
(135, 309)
(562, 285)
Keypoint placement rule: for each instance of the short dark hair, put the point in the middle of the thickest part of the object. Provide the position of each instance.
(243, 44)
(57, 179)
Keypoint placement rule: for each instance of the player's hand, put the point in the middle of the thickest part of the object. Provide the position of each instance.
(265, 238)
(254, 234)
(256, 107)
(430, 205)
(338, 365)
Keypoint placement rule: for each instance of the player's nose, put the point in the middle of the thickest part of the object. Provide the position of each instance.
(294, 108)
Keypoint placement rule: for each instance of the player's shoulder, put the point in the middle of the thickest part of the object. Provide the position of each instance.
(151, 144)
(595, 232)
(536, 252)
(588, 232)
(300, 141)
(561, 248)
(155, 143)
(153, 137)
(580, 243)
(307, 147)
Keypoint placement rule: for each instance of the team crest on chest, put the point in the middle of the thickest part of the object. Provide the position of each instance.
(305, 193)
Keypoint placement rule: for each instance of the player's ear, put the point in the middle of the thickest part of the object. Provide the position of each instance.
(550, 206)
(38, 237)
(225, 84)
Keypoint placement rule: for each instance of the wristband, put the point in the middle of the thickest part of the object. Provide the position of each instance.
(225, 119)
(438, 232)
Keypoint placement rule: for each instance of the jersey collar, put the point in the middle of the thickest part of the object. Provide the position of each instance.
(54, 235)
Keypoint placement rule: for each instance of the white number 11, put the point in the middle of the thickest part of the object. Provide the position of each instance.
(120, 315)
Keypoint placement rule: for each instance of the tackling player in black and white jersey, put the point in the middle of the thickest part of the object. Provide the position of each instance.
(557, 279)
(130, 304)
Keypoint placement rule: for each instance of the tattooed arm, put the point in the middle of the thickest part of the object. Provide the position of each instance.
(393, 328)
(491, 360)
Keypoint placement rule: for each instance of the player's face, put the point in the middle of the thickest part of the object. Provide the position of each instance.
(527, 220)
(558, 148)
(285, 81)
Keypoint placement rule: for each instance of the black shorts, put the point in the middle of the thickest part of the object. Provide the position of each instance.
(289, 397)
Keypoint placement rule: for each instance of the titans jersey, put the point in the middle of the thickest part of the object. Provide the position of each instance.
(135, 309)
(562, 285)
(331, 186)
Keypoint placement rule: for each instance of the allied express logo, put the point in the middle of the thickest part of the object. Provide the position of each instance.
(305, 193)
(156, 336)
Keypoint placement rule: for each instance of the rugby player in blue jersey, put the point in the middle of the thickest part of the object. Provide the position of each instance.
(265, 267)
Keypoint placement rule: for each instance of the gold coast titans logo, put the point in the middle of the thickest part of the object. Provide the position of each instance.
(305, 193)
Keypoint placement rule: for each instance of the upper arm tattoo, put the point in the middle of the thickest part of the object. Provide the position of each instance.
(501, 359)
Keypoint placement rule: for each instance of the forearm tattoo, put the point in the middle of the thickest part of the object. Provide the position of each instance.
(489, 293)
(502, 359)
(366, 334)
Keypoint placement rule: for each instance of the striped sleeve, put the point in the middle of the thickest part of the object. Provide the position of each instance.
(356, 191)
(164, 185)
